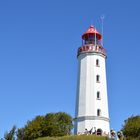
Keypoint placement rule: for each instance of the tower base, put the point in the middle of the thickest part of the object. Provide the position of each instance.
(90, 123)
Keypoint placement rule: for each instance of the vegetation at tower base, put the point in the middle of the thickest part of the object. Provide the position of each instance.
(57, 126)
(131, 128)
(81, 137)
(52, 124)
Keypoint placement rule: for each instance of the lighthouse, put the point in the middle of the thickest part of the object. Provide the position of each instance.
(91, 111)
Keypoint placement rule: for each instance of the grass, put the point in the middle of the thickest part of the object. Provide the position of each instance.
(81, 137)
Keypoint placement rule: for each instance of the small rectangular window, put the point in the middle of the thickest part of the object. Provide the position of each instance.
(98, 95)
(98, 112)
(97, 62)
(97, 78)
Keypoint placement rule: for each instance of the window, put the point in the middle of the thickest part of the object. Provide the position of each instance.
(98, 112)
(97, 62)
(98, 78)
(98, 95)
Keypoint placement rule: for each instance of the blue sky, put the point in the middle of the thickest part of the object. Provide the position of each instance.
(38, 64)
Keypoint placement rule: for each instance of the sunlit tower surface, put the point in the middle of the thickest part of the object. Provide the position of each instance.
(91, 99)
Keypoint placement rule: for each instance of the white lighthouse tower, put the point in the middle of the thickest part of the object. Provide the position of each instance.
(91, 100)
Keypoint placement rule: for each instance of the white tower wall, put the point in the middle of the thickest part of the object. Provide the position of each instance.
(87, 102)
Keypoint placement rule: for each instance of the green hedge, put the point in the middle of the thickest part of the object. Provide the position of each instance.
(81, 137)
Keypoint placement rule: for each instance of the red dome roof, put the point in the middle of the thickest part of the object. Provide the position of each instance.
(91, 31)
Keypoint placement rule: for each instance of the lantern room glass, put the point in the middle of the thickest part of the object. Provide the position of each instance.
(91, 39)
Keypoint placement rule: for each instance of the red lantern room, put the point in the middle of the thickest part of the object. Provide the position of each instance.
(91, 36)
(91, 42)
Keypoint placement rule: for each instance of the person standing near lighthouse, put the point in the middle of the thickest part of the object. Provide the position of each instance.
(91, 99)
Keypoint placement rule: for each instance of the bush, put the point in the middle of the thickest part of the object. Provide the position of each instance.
(53, 124)
(131, 128)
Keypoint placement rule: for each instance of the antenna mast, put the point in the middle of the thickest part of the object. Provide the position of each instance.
(95, 37)
(102, 24)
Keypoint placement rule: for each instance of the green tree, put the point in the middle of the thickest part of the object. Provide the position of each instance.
(33, 129)
(59, 124)
(131, 128)
(20, 134)
(11, 134)
(53, 124)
